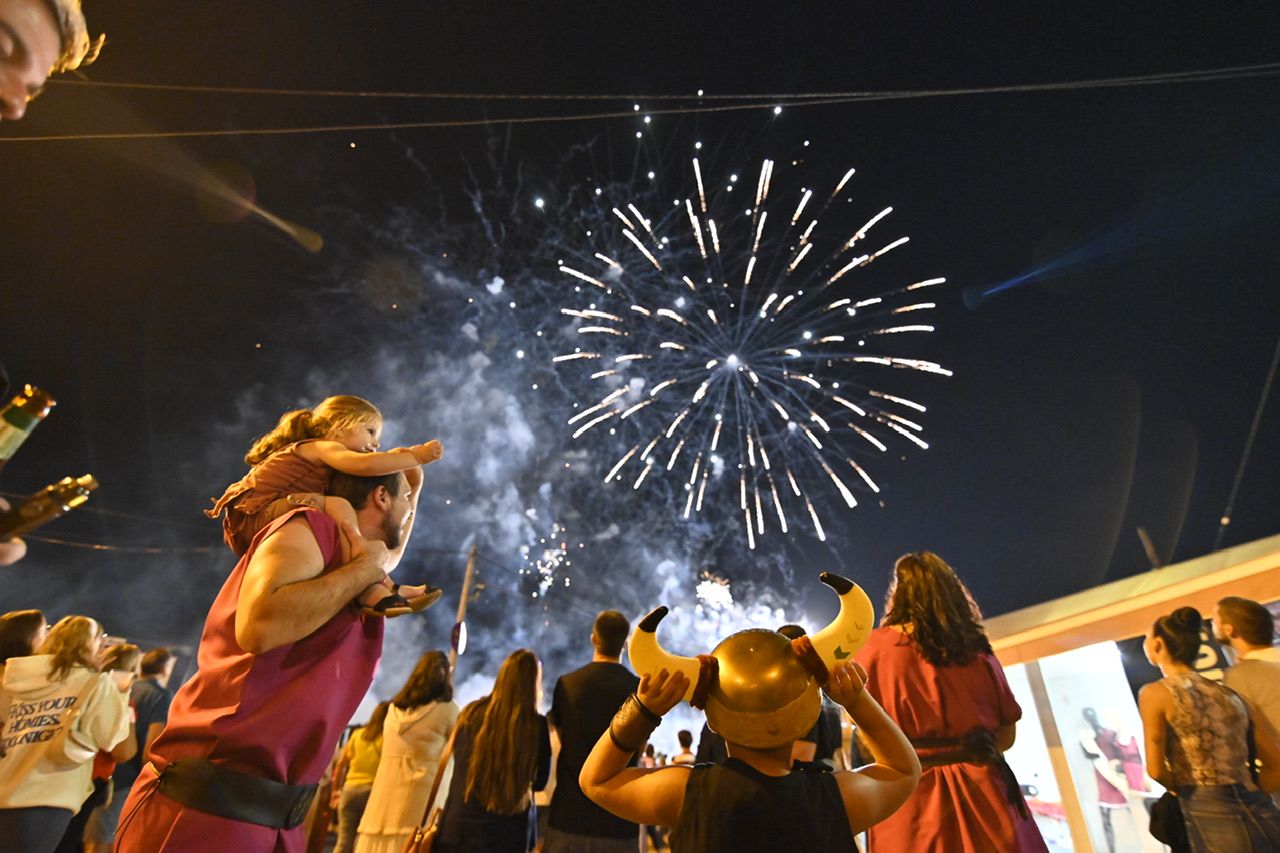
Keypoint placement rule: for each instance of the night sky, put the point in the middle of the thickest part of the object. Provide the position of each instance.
(1114, 390)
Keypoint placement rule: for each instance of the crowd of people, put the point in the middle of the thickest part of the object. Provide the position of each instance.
(97, 754)
(86, 748)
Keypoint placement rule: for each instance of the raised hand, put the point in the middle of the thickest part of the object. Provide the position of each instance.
(846, 683)
(427, 453)
(370, 555)
(662, 692)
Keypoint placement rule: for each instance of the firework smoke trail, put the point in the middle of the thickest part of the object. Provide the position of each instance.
(445, 326)
(739, 349)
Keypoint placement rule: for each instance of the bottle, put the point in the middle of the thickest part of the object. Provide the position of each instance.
(18, 419)
(46, 505)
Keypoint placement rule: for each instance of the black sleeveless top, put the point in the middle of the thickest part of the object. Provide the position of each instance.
(734, 808)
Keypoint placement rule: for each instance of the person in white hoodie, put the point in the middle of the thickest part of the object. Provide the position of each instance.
(41, 783)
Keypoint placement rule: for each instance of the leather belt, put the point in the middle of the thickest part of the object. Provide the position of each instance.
(217, 790)
(977, 747)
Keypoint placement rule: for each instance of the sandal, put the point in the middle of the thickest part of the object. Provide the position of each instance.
(421, 602)
(391, 605)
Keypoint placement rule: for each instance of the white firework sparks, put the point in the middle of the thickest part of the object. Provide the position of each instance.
(735, 350)
(550, 558)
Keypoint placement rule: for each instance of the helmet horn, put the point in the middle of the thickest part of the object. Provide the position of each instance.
(838, 642)
(647, 655)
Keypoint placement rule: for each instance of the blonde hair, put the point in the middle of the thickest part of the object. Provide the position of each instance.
(70, 642)
(340, 412)
(504, 752)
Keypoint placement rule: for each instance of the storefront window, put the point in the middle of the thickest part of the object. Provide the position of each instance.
(1101, 734)
(1029, 759)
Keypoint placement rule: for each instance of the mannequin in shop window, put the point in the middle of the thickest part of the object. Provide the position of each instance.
(1117, 765)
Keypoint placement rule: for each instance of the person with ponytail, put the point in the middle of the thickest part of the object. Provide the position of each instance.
(1198, 739)
(501, 754)
(291, 468)
(931, 667)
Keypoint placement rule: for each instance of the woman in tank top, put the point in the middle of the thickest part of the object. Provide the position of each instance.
(1197, 746)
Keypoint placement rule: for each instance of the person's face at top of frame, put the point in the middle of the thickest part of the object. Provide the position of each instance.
(362, 438)
(30, 44)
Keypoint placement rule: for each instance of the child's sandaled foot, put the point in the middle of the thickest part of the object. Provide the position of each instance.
(388, 606)
(419, 597)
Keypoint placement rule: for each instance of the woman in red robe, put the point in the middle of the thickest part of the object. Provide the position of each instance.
(930, 666)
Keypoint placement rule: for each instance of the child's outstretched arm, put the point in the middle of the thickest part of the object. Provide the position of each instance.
(339, 458)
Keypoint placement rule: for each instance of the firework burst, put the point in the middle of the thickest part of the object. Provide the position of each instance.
(734, 339)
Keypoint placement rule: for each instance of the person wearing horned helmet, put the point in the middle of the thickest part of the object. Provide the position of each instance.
(760, 692)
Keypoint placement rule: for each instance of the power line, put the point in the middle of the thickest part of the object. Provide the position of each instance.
(113, 514)
(128, 549)
(792, 100)
(1248, 447)
(773, 97)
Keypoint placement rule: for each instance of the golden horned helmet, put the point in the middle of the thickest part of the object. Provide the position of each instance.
(760, 689)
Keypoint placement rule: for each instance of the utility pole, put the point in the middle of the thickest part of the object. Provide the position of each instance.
(458, 640)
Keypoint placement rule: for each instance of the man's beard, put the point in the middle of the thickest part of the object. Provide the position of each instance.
(390, 534)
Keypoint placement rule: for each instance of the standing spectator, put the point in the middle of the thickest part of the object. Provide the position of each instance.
(582, 704)
(58, 690)
(119, 659)
(685, 756)
(501, 754)
(1250, 629)
(822, 742)
(21, 633)
(1197, 746)
(282, 666)
(53, 38)
(357, 767)
(710, 747)
(931, 667)
(418, 724)
(150, 698)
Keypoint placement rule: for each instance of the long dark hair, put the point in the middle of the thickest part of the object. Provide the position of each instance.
(505, 749)
(946, 624)
(372, 730)
(429, 682)
(1180, 631)
(17, 630)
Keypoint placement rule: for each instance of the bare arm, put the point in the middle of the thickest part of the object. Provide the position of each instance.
(153, 732)
(874, 792)
(11, 550)
(284, 598)
(1005, 736)
(1154, 702)
(652, 796)
(357, 464)
(414, 478)
(1267, 741)
(128, 747)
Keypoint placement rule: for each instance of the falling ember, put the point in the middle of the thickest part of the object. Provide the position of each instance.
(746, 344)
